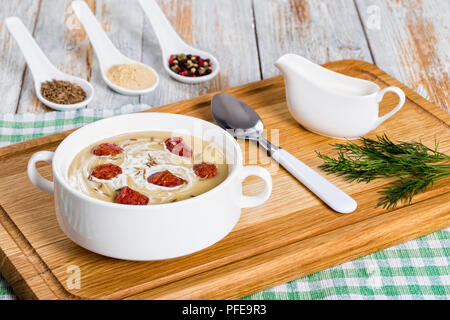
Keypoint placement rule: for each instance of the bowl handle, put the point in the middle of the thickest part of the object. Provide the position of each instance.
(253, 201)
(34, 176)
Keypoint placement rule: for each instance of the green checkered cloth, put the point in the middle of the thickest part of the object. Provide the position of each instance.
(418, 269)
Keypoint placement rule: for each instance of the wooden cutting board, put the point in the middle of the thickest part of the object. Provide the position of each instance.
(294, 234)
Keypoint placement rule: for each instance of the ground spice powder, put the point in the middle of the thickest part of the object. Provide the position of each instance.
(62, 92)
(132, 76)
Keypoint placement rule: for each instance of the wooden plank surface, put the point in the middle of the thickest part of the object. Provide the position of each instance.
(412, 43)
(292, 235)
(321, 31)
(301, 258)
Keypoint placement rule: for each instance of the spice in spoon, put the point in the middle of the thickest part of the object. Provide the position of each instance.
(188, 65)
(132, 76)
(62, 92)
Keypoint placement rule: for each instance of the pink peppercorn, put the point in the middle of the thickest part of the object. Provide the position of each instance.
(189, 65)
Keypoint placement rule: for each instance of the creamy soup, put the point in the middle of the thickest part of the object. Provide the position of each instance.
(148, 168)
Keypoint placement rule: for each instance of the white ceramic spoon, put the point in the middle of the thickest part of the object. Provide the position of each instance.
(42, 69)
(171, 43)
(107, 54)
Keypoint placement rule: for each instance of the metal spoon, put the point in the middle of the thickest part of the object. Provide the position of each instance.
(243, 122)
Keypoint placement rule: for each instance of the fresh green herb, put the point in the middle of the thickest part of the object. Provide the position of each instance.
(413, 166)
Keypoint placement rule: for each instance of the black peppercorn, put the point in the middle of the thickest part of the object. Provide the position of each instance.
(189, 65)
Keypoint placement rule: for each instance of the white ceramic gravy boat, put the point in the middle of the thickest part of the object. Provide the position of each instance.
(332, 104)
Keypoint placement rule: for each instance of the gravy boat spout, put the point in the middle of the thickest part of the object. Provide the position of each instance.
(332, 104)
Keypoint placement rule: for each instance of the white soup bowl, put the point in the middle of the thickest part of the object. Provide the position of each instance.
(150, 232)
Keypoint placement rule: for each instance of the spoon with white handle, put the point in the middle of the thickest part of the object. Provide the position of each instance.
(107, 54)
(42, 69)
(243, 122)
(171, 43)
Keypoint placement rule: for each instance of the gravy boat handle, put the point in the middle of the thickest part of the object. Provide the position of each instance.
(34, 176)
(334, 197)
(400, 104)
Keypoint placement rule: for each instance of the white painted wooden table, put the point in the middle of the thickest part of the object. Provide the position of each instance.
(408, 39)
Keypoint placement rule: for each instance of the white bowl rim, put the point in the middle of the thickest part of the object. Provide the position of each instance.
(75, 192)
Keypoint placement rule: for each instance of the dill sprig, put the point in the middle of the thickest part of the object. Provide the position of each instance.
(413, 166)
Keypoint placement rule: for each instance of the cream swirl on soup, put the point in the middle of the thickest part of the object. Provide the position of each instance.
(151, 164)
